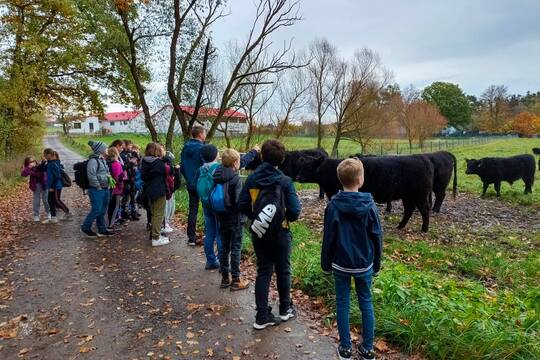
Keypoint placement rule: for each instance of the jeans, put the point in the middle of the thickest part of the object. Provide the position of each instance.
(99, 201)
(343, 296)
(192, 215)
(272, 256)
(114, 209)
(170, 206)
(231, 245)
(211, 236)
(157, 207)
(39, 196)
(54, 200)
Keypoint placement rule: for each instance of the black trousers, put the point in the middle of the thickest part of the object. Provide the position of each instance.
(273, 256)
(192, 215)
(54, 200)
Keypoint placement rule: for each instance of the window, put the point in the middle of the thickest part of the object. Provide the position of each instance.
(112, 123)
(77, 125)
(124, 122)
(91, 127)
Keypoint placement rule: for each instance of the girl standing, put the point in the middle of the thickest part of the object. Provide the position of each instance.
(118, 174)
(54, 186)
(37, 183)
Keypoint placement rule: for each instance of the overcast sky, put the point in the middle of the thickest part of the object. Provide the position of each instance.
(474, 43)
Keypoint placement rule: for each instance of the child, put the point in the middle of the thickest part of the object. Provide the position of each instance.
(230, 225)
(54, 186)
(170, 204)
(118, 174)
(273, 249)
(153, 172)
(205, 182)
(37, 183)
(352, 247)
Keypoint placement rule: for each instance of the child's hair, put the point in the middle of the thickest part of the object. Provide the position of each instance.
(29, 159)
(162, 149)
(55, 155)
(48, 151)
(153, 149)
(273, 152)
(117, 142)
(229, 157)
(112, 153)
(135, 147)
(196, 131)
(128, 142)
(349, 171)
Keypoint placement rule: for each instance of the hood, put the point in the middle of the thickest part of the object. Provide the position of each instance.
(224, 174)
(266, 175)
(357, 203)
(150, 159)
(191, 146)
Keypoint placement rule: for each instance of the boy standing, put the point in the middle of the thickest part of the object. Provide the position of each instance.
(352, 247)
(272, 244)
(230, 222)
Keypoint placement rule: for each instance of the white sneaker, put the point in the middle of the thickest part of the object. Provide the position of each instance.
(52, 220)
(167, 229)
(49, 216)
(67, 216)
(36, 219)
(161, 241)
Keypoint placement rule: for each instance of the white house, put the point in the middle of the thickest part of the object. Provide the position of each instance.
(121, 122)
(86, 125)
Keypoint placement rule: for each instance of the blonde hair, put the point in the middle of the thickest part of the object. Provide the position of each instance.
(349, 171)
(229, 157)
(112, 153)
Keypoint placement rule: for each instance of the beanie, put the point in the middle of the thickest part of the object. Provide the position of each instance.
(209, 153)
(98, 147)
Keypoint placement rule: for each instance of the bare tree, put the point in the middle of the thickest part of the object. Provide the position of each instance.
(293, 95)
(323, 55)
(271, 15)
(495, 108)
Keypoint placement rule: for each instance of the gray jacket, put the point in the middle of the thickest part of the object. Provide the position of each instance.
(98, 172)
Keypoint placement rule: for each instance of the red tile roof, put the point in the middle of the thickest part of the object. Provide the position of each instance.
(121, 116)
(229, 113)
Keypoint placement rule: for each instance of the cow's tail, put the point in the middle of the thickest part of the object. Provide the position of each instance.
(454, 185)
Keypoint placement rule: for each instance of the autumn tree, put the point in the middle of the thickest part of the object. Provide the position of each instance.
(525, 124)
(494, 111)
(451, 101)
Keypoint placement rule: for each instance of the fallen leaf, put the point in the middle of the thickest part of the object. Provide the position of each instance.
(190, 335)
(287, 329)
(381, 346)
(23, 351)
(84, 349)
(210, 352)
(228, 350)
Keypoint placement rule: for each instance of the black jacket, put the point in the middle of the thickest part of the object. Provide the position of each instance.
(153, 175)
(232, 184)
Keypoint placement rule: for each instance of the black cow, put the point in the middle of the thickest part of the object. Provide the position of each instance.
(444, 163)
(536, 151)
(387, 178)
(290, 165)
(493, 170)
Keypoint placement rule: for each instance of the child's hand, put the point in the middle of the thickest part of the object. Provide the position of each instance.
(257, 148)
(51, 190)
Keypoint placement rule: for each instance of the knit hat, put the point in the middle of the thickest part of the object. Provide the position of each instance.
(209, 153)
(98, 147)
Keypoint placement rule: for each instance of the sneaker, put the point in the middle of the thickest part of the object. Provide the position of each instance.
(106, 233)
(225, 281)
(212, 266)
(167, 229)
(239, 284)
(265, 320)
(89, 233)
(37, 219)
(161, 241)
(67, 216)
(366, 354)
(344, 354)
(191, 242)
(287, 314)
(52, 220)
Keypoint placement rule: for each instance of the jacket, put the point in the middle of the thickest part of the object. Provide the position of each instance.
(264, 176)
(54, 177)
(153, 174)
(37, 176)
(97, 171)
(352, 236)
(190, 162)
(118, 174)
(232, 186)
(247, 158)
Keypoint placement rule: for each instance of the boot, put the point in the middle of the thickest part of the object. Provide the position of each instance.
(239, 284)
(225, 280)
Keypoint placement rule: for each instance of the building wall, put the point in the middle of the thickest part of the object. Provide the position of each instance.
(87, 126)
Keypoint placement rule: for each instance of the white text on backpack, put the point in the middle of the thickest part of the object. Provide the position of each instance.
(261, 224)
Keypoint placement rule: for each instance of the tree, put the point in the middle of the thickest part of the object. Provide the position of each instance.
(271, 16)
(525, 124)
(323, 55)
(451, 101)
(494, 113)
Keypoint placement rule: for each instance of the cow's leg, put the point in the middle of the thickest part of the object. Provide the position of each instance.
(439, 198)
(389, 207)
(408, 209)
(528, 186)
(484, 188)
(498, 188)
(321, 192)
(424, 207)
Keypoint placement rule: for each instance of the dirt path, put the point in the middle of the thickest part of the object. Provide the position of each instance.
(73, 298)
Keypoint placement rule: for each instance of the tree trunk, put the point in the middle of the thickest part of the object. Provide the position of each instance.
(336, 143)
(202, 84)
(319, 133)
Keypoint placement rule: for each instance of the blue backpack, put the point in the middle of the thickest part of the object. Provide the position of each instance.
(217, 199)
(205, 183)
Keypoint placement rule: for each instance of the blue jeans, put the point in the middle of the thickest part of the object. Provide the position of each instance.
(231, 247)
(99, 202)
(343, 296)
(211, 236)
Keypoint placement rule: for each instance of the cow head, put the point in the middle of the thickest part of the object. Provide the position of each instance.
(473, 166)
(308, 167)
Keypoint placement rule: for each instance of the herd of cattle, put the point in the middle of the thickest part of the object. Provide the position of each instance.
(413, 179)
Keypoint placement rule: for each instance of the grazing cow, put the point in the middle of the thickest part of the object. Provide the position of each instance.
(494, 170)
(387, 178)
(290, 165)
(444, 163)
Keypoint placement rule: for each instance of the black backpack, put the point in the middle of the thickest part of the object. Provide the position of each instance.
(268, 212)
(81, 175)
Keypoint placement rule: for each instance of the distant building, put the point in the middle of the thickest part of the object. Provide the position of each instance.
(85, 125)
(122, 122)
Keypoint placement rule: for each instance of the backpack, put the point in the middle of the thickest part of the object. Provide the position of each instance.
(81, 175)
(217, 199)
(66, 180)
(269, 212)
(205, 183)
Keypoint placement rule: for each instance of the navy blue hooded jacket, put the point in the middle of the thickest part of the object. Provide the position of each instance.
(54, 176)
(352, 240)
(190, 162)
(264, 176)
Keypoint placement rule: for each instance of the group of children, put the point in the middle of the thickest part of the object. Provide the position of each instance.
(352, 239)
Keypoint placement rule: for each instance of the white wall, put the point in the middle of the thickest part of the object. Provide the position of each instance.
(88, 126)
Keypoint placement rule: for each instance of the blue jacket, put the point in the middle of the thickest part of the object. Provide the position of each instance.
(190, 162)
(352, 239)
(54, 178)
(266, 175)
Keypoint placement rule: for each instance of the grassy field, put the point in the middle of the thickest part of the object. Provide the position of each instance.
(476, 296)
